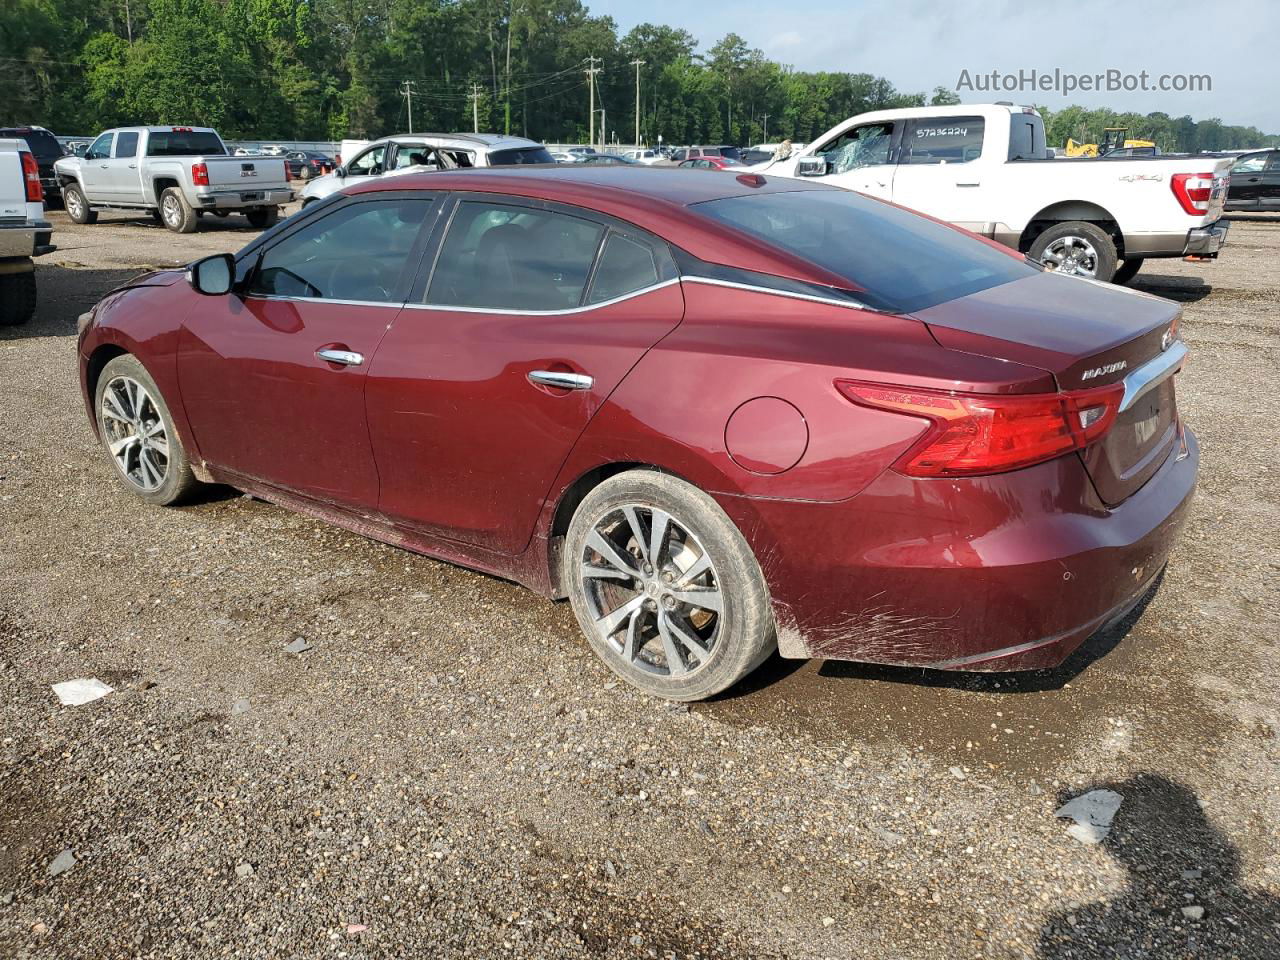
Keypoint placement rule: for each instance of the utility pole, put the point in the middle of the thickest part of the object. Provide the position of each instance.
(591, 72)
(406, 91)
(475, 107)
(637, 63)
(766, 127)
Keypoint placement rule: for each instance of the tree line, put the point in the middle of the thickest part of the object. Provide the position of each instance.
(327, 69)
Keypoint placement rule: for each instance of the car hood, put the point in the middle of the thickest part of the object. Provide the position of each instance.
(165, 277)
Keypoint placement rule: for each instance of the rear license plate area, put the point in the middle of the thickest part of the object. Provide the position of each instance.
(250, 197)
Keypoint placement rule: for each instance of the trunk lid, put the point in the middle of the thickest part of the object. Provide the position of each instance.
(1087, 334)
(246, 173)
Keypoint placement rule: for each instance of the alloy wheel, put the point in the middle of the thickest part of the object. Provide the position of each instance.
(652, 591)
(135, 433)
(72, 201)
(172, 213)
(1071, 255)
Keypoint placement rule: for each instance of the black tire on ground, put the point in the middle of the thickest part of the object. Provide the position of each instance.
(179, 482)
(263, 216)
(155, 216)
(176, 213)
(740, 639)
(77, 206)
(17, 297)
(1104, 250)
(1127, 270)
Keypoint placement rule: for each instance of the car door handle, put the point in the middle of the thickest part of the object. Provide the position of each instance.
(133, 166)
(975, 183)
(348, 358)
(565, 381)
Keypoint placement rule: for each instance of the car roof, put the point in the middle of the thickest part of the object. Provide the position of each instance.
(655, 199)
(493, 141)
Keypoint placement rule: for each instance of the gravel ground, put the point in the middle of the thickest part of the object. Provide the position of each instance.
(448, 772)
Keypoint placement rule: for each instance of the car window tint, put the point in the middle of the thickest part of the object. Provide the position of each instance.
(369, 163)
(892, 258)
(626, 265)
(1250, 164)
(514, 258)
(357, 252)
(126, 145)
(101, 148)
(1274, 165)
(943, 140)
(184, 143)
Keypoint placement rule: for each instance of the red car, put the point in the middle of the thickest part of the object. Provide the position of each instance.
(720, 414)
(712, 163)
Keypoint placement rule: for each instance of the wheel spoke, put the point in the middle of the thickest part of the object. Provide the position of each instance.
(111, 407)
(161, 446)
(675, 663)
(700, 566)
(156, 428)
(686, 637)
(659, 522)
(600, 544)
(631, 648)
(637, 531)
(150, 475)
(592, 572)
(703, 599)
(122, 445)
(609, 623)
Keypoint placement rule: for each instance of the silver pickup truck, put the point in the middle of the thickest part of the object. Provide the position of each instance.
(177, 174)
(24, 232)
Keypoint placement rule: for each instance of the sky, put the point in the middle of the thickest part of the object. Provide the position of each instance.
(920, 44)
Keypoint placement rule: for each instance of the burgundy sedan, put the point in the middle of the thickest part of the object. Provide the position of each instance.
(722, 415)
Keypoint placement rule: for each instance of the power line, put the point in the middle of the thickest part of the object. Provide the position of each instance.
(406, 90)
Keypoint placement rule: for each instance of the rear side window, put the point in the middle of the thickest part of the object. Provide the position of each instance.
(892, 258)
(514, 258)
(126, 145)
(626, 265)
(520, 155)
(1026, 137)
(943, 140)
(184, 143)
(1250, 164)
(1274, 165)
(357, 252)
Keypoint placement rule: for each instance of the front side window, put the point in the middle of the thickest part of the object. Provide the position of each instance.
(101, 149)
(514, 258)
(416, 155)
(943, 140)
(891, 258)
(1253, 163)
(864, 146)
(126, 145)
(357, 252)
(369, 163)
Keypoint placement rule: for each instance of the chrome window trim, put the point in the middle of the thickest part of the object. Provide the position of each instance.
(543, 313)
(1152, 373)
(344, 303)
(850, 304)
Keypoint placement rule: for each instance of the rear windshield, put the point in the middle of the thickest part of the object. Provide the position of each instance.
(42, 144)
(733, 153)
(894, 259)
(175, 143)
(507, 158)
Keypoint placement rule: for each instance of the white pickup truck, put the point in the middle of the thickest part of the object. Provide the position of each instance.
(986, 168)
(177, 174)
(24, 232)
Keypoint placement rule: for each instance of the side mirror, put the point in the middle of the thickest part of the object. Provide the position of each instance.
(341, 171)
(213, 276)
(811, 167)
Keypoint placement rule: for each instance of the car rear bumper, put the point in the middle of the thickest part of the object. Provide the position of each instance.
(26, 238)
(241, 199)
(1207, 241)
(1010, 572)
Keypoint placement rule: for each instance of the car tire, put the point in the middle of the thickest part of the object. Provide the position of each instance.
(176, 213)
(1127, 270)
(1078, 248)
(261, 217)
(127, 403)
(77, 206)
(306, 173)
(666, 643)
(17, 298)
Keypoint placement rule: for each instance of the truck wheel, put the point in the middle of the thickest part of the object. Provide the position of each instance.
(1127, 270)
(1076, 248)
(77, 206)
(263, 216)
(176, 212)
(17, 297)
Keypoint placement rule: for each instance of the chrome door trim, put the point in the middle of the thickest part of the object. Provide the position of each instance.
(543, 313)
(848, 304)
(1152, 373)
(562, 379)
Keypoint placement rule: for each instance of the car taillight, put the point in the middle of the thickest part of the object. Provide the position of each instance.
(31, 176)
(971, 434)
(200, 174)
(1193, 191)
(288, 172)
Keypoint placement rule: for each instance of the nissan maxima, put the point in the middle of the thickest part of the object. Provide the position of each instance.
(721, 415)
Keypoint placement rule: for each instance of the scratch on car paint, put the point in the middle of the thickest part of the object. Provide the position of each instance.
(878, 633)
